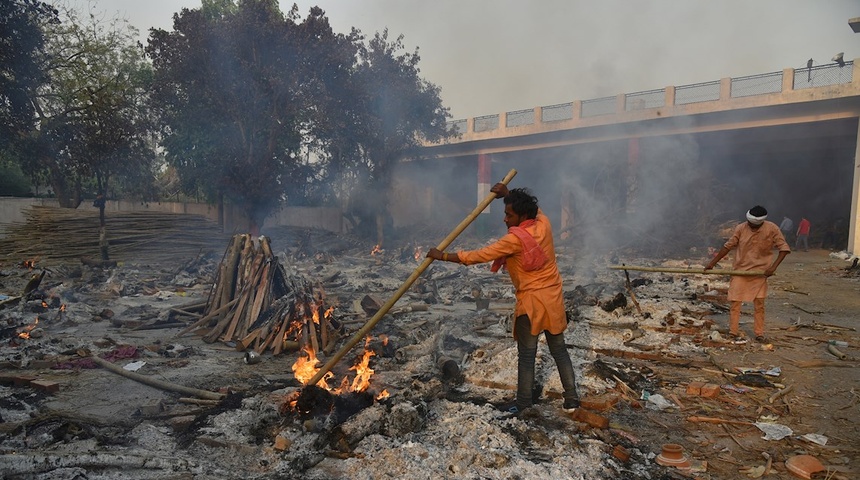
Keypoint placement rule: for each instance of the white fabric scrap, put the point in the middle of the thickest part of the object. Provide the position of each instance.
(773, 431)
(815, 438)
(134, 366)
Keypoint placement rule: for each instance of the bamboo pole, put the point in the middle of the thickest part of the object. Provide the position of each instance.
(154, 382)
(408, 283)
(699, 271)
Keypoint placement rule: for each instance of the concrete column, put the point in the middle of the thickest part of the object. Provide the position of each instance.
(620, 103)
(470, 125)
(538, 115)
(854, 227)
(577, 109)
(484, 175)
(503, 120)
(632, 193)
(669, 100)
(725, 88)
(787, 80)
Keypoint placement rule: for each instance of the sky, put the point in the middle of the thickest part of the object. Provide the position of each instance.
(493, 56)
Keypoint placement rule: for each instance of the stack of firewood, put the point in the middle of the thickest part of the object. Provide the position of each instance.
(256, 305)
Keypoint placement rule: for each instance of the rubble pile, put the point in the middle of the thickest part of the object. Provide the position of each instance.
(665, 393)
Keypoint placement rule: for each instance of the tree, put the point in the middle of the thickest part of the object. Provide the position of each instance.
(90, 110)
(239, 88)
(22, 57)
(399, 111)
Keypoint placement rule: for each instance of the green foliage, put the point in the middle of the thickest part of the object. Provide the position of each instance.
(263, 107)
(13, 182)
(90, 121)
(242, 98)
(22, 53)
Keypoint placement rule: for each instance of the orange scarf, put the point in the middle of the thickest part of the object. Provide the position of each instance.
(533, 256)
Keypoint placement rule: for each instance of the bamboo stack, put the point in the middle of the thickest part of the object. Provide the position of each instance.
(257, 306)
(58, 234)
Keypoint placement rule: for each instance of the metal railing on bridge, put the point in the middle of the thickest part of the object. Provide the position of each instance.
(747, 86)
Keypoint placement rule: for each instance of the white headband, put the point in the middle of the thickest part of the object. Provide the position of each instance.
(755, 220)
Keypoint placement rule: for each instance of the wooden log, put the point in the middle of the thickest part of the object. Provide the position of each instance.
(262, 292)
(699, 419)
(697, 271)
(207, 318)
(247, 340)
(154, 382)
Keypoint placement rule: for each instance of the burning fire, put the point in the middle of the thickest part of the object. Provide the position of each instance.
(376, 249)
(29, 264)
(418, 253)
(26, 333)
(307, 366)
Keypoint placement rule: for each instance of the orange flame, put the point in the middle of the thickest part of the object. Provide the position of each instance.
(316, 313)
(418, 254)
(363, 372)
(28, 328)
(383, 395)
(328, 312)
(306, 367)
(63, 307)
(376, 249)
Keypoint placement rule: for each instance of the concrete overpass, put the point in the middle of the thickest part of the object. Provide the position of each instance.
(795, 131)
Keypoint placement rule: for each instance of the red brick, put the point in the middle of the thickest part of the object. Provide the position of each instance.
(621, 453)
(45, 386)
(710, 390)
(23, 380)
(599, 403)
(593, 419)
(695, 388)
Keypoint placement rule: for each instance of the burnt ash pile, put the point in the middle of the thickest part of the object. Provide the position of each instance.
(647, 354)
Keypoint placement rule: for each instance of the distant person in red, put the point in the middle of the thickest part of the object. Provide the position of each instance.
(803, 234)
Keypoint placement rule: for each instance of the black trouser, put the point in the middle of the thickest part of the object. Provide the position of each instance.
(527, 350)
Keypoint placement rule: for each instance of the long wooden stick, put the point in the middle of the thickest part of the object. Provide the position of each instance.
(154, 382)
(717, 420)
(408, 283)
(700, 271)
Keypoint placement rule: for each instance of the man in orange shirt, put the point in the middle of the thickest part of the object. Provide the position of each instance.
(755, 241)
(528, 253)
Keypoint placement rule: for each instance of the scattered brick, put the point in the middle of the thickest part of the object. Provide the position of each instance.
(590, 418)
(695, 388)
(600, 403)
(710, 390)
(45, 386)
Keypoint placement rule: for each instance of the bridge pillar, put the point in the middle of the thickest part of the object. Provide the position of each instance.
(787, 80)
(725, 88)
(854, 227)
(669, 99)
(484, 177)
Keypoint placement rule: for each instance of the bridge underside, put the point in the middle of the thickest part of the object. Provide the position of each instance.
(665, 180)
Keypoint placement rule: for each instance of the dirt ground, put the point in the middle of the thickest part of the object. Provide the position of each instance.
(100, 425)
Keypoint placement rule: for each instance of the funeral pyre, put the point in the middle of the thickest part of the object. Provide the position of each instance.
(644, 350)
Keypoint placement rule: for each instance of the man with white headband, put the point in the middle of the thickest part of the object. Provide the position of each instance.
(755, 241)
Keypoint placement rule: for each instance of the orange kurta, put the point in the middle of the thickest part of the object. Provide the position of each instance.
(539, 292)
(754, 252)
